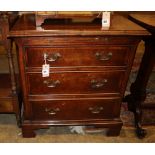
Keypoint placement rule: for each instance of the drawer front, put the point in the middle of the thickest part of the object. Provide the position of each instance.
(77, 56)
(76, 109)
(76, 82)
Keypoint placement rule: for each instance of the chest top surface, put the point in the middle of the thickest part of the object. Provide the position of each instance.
(120, 25)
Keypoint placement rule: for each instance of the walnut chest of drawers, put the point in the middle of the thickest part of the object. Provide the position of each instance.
(89, 70)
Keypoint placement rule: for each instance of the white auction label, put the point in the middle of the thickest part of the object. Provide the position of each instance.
(105, 20)
(45, 70)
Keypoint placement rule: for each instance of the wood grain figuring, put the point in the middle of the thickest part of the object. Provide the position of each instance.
(89, 69)
(6, 105)
(79, 40)
(76, 83)
(75, 56)
(119, 26)
(76, 109)
(146, 18)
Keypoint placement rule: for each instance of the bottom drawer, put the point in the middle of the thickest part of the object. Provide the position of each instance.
(76, 109)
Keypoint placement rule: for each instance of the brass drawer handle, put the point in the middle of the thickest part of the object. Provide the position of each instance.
(95, 110)
(103, 57)
(52, 111)
(51, 83)
(52, 57)
(98, 84)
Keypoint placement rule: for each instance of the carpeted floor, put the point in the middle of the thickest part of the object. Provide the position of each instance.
(10, 133)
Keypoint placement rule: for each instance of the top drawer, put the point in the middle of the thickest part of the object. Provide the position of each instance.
(77, 56)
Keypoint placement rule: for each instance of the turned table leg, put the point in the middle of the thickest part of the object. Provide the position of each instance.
(8, 47)
(16, 98)
(138, 88)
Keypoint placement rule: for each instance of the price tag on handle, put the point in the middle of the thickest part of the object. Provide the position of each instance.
(45, 67)
(45, 70)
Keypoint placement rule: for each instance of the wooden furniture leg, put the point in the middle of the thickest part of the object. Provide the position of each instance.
(28, 132)
(138, 88)
(15, 93)
(114, 131)
(16, 99)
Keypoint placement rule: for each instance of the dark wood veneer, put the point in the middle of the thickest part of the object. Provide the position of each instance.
(76, 109)
(76, 83)
(83, 90)
(78, 56)
(97, 40)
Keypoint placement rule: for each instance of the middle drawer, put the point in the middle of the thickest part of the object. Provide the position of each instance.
(77, 56)
(76, 82)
